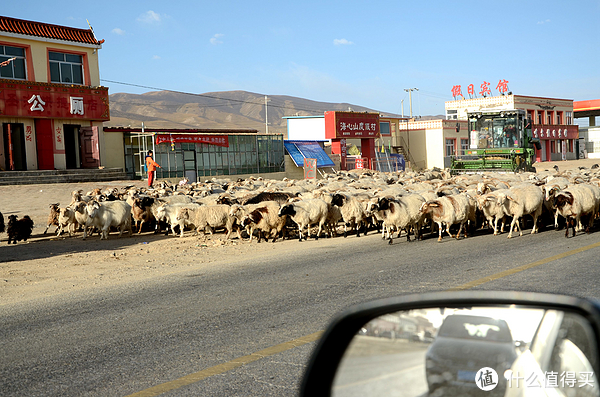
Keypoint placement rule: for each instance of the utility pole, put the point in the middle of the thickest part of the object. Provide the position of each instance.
(410, 90)
(266, 116)
(402, 102)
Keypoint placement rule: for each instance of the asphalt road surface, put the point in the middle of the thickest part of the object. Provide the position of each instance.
(247, 328)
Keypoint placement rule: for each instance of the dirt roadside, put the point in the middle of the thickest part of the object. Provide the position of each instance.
(47, 265)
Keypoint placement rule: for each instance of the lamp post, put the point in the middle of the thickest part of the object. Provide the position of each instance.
(410, 90)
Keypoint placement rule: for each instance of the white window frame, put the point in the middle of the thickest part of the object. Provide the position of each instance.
(66, 62)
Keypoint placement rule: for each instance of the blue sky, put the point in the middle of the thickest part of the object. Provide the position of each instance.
(363, 53)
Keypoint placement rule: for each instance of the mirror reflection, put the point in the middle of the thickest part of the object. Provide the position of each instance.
(483, 351)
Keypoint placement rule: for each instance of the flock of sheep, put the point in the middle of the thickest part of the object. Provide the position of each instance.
(414, 203)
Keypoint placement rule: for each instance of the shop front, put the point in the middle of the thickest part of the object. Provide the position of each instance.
(340, 126)
(49, 126)
(196, 154)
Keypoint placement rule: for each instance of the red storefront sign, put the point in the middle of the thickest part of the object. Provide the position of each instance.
(57, 101)
(555, 131)
(351, 125)
(218, 140)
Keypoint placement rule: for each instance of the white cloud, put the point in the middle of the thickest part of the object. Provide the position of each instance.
(543, 22)
(215, 39)
(149, 17)
(156, 57)
(342, 42)
(118, 31)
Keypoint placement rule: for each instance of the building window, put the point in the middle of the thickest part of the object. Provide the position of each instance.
(569, 119)
(450, 147)
(15, 69)
(550, 118)
(552, 146)
(384, 128)
(559, 118)
(464, 146)
(66, 68)
(541, 117)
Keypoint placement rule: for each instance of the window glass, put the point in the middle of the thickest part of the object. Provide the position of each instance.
(65, 73)
(73, 58)
(15, 69)
(55, 56)
(464, 145)
(54, 72)
(19, 69)
(14, 51)
(66, 68)
(449, 147)
(384, 128)
(77, 76)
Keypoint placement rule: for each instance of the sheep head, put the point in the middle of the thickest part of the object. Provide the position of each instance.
(338, 199)
(183, 214)
(92, 208)
(287, 209)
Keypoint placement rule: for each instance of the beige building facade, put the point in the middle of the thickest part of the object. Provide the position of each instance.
(52, 106)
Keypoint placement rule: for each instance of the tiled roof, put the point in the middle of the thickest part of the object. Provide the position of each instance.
(38, 29)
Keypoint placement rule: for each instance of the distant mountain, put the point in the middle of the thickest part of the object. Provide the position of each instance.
(227, 109)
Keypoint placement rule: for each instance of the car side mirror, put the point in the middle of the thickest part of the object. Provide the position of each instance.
(459, 343)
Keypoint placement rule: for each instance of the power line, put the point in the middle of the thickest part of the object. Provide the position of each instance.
(210, 96)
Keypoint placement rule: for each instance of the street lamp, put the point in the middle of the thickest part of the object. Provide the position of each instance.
(410, 90)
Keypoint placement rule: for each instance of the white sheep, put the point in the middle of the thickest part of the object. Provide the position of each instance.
(352, 211)
(66, 218)
(448, 210)
(168, 213)
(401, 213)
(576, 201)
(106, 215)
(523, 199)
(77, 195)
(306, 213)
(207, 216)
(492, 210)
(81, 214)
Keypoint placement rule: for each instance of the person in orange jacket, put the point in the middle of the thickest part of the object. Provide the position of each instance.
(151, 165)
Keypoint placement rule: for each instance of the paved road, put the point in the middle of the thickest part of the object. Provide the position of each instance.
(210, 324)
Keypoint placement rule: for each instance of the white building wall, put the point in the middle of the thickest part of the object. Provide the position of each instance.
(592, 137)
(435, 148)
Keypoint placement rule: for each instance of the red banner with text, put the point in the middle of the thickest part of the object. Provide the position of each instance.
(218, 140)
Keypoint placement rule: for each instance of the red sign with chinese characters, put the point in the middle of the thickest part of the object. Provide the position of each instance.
(555, 131)
(43, 100)
(351, 125)
(218, 140)
(502, 87)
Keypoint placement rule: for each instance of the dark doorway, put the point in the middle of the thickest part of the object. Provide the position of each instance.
(14, 147)
(189, 165)
(72, 146)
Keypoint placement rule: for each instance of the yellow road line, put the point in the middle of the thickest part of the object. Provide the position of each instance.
(238, 362)
(221, 368)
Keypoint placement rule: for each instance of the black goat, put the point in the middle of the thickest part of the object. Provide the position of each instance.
(19, 229)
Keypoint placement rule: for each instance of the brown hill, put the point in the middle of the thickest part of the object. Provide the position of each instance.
(227, 109)
(230, 109)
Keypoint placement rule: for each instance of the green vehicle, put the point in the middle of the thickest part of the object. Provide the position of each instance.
(498, 141)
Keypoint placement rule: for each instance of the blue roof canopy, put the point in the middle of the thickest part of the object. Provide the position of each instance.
(299, 150)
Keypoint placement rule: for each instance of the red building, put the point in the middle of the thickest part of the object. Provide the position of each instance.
(51, 103)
